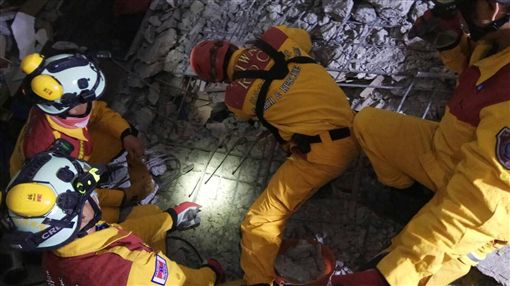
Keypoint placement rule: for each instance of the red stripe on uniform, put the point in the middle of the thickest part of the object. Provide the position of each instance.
(469, 99)
(235, 95)
(252, 59)
(249, 59)
(39, 137)
(275, 37)
(103, 269)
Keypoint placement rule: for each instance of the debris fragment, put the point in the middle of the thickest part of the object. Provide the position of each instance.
(301, 263)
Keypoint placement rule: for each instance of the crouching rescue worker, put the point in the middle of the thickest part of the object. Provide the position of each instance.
(51, 206)
(65, 89)
(278, 82)
(465, 158)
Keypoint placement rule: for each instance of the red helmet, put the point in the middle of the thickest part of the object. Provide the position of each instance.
(208, 58)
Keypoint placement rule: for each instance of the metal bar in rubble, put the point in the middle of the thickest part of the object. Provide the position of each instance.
(248, 152)
(356, 47)
(429, 104)
(221, 143)
(239, 141)
(406, 94)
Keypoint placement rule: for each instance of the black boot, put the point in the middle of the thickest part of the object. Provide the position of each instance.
(399, 205)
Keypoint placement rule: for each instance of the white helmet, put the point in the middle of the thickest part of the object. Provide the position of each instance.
(44, 201)
(61, 82)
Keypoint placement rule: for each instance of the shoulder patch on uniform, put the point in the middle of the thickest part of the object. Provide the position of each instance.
(503, 147)
(160, 272)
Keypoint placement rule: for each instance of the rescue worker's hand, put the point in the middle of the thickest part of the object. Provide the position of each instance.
(442, 30)
(185, 216)
(217, 268)
(133, 146)
(370, 277)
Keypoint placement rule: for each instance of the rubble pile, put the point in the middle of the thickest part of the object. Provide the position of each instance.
(362, 43)
(342, 30)
(302, 263)
(25, 28)
(356, 40)
(496, 265)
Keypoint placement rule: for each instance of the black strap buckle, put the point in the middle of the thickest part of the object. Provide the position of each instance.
(302, 142)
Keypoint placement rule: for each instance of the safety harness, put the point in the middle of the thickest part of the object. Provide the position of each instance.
(279, 71)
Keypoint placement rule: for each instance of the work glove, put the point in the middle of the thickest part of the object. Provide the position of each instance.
(370, 277)
(438, 27)
(217, 268)
(116, 175)
(185, 216)
(156, 162)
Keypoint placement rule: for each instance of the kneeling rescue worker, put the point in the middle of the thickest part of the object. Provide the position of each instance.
(51, 206)
(277, 81)
(464, 158)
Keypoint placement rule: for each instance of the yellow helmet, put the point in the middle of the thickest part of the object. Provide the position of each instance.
(45, 199)
(60, 82)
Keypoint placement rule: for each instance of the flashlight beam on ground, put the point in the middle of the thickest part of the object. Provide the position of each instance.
(225, 140)
(239, 141)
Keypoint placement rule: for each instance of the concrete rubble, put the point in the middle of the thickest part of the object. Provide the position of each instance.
(302, 263)
(24, 29)
(363, 44)
(497, 265)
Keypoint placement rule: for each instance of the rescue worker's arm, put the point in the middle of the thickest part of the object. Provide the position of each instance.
(108, 119)
(457, 58)
(239, 115)
(443, 29)
(471, 212)
(300, 36)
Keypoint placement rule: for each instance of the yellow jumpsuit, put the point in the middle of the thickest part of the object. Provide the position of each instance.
(307, 101)
(465, 159)
(113, 256)
(105, 128)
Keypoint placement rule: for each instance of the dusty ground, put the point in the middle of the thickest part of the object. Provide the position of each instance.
(355, 215)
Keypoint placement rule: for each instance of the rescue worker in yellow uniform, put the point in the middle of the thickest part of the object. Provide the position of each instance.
(464, 158)
(66, 88)
(51, 206)
(278, 82)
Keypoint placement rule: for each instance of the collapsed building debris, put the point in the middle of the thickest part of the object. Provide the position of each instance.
(364, 46)
(302, 263)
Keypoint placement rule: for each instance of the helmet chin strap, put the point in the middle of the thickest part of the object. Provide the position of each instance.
(85, 114)
(92, 223)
